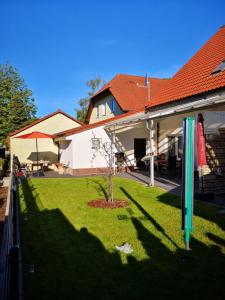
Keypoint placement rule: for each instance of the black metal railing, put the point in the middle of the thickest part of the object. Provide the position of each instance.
(11, 287)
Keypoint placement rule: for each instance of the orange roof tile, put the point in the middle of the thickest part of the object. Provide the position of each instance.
(195, 76)
(130, 92)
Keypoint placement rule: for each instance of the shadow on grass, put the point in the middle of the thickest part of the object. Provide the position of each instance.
(202, 210)
(148, 216)
(216, 239)
(73, 264)
(100, 188)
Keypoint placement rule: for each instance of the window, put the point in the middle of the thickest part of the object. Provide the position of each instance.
(112, 105)
(220, 68)
(97, 111)
(96, 144)
(104, 109)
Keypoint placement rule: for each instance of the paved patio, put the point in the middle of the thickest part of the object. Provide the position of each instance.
(172, 185)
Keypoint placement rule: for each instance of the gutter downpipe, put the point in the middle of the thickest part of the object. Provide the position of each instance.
(114, 150)
(149, 125)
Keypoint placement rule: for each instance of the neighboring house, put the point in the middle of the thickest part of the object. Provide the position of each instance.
(81, 148)
(124, 93)
(25, 149)
(198, 87)
(123, 96)
(123, 108)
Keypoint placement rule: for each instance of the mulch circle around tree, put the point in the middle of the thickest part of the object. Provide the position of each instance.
(101, 203)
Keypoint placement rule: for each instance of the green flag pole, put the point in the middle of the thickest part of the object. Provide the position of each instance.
(188, 178)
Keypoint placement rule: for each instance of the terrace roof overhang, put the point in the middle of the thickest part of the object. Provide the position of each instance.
(62, 138)
(211, 100)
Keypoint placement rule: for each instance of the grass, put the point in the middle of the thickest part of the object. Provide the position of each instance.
(72, 245)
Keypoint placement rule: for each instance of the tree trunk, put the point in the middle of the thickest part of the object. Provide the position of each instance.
(110, 187)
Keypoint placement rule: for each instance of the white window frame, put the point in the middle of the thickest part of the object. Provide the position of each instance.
(104, 109)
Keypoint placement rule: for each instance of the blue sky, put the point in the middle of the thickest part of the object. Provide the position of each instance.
(58, 45)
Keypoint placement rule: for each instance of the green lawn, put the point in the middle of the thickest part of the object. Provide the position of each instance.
(72, 245)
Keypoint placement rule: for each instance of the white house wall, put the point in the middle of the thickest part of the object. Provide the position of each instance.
(83, 155)
(79, 156)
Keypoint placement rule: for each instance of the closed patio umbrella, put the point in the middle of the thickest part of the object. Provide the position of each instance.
(201, 146)
(35, 135)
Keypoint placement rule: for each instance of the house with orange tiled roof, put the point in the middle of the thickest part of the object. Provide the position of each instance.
(124, 93)
(123, 96)
(52, 123)
(115, 101)
(145, 118)
(197, 88)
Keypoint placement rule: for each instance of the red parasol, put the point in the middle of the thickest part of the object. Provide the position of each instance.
(35, 135)
(201, 152)
(201, 149)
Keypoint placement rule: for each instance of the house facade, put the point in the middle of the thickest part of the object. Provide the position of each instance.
(123, 96)
(81, 149)
(121, 111)
(197, 88)
(142, 118)
(48, 149)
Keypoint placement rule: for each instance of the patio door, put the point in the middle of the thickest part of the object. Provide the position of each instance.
(139, 151)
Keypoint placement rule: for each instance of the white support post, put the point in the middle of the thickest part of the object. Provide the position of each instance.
(150, 127)
(113, 150)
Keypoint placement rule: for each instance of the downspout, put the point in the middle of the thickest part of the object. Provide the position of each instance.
(149, 126)
(114, 148)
